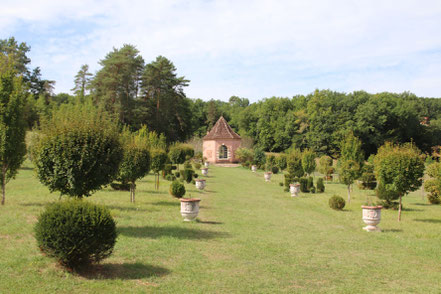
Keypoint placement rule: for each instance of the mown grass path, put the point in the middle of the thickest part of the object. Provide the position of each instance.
(251, 237)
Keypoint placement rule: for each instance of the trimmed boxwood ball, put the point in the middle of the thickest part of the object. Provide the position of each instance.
(337, 202)
(177, 189)
(76, 232)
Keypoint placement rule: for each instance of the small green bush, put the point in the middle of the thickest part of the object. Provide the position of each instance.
(275, 170)
(170, 177)
(304, 185)
(433, 188)
(311, 184)
(195, 176)
(76, 232)
(387, 196)
(177, 189)
(197, 165)
(312, 189)
(187, 165)
(336, 202)
(320, 185)
(177, 174)
(187, 175)
(281, 184)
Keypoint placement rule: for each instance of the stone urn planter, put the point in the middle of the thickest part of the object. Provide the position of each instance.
(200, 184)
(267, 176)
(253, 168)
(206, 164)
(294, 189)
(204, 172)
(371, 217)
(189, 208)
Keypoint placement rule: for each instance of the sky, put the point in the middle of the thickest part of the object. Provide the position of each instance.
(251, 49)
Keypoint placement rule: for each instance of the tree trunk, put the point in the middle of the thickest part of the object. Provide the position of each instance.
(349, 194)
(132, 191)
(3, 186)
(399, 210)
(157, 182)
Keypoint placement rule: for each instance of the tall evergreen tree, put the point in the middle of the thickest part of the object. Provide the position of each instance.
(116, 85)
(168, 110)
(82, 82)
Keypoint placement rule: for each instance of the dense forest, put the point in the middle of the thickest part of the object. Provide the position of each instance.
(153, 94)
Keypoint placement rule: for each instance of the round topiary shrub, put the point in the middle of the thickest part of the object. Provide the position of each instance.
(336, 202)
(177, 189)
(76, 232)
(275, 170)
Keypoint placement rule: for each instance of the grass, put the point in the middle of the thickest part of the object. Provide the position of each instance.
(250, 237)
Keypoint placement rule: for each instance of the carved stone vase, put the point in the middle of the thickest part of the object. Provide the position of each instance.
(372, 217)
(294, 189)
(189, 208)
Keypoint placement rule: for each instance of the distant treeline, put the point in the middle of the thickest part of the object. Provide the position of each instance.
(152, 94)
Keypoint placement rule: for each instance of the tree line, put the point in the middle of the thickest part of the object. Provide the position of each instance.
(152, 94)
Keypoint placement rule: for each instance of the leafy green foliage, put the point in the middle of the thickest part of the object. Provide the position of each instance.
(159, 158)
(78, 151)
(433, 185)
(12, 123)
(337, 202)
(399, 168)
(281, 161)
(320, 185)
(308, 161)
(177, 189)
(177, 154)
(294, 163)
(259, 158)
(245, 156)
(325, 165)
(76, 232)
(304, 185)
(351, 161)
(368, 179)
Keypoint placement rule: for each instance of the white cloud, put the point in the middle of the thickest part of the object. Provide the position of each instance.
(218, 43)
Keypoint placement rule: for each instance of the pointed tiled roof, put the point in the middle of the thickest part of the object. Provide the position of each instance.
(221, 130)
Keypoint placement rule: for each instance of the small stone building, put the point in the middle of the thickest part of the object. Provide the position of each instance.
(220, 144)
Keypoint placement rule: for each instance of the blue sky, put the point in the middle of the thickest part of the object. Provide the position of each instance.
(252, 49)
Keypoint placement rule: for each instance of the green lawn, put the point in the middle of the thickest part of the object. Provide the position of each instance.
(251, 237)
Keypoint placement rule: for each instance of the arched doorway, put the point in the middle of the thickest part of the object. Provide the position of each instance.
(223, 152)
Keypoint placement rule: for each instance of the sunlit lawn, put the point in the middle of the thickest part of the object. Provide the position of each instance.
(251, 237)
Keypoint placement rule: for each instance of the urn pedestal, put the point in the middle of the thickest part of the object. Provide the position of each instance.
(267, 176)
(372, 217)
(206, 164)
(253, 168)
(200, 184)
(294, 189)
(204, 172)
(189, 208)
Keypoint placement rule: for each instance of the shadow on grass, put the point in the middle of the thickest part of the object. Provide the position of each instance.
(391, 230)
(26, 168)
(128, 208)
(175, 232)
(33, 204)
(411, 209)
(428, 220)
(166, 203)
(155, 192)
(125, 271)
(422, 204)
(209, 222)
